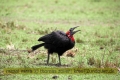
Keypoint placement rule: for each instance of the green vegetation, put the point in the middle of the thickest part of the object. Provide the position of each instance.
(98, 43)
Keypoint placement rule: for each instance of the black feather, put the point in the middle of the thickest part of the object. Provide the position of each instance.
(56, 41)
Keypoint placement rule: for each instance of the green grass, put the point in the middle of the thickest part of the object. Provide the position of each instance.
(64, 77)
(98, 43)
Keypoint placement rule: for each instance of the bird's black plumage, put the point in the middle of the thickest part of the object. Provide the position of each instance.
(56, 41)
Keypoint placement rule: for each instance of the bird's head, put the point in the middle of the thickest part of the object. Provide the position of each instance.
(71, 32)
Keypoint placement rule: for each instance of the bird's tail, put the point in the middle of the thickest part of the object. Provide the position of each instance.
(37, 46)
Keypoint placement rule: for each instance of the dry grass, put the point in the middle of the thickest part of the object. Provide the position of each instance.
(71, 53)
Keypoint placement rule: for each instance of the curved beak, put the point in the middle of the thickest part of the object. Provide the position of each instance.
(76, 31)
(73, 32)
(74, 28)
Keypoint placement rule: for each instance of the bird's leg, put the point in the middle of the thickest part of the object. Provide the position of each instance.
(48, 58)
(59, 59)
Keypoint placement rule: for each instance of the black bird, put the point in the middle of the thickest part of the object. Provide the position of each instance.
(58, 42)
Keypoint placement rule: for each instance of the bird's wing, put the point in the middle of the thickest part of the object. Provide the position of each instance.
(57, 38)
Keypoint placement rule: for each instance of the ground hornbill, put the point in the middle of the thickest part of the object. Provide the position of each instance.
(58, 42)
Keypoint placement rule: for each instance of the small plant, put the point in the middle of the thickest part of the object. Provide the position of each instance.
(117, 48)
(98, 63)
(11, 25)
(107, 64)
(91, 61)
(81, 64)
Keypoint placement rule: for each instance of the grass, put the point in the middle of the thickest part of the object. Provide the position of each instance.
(22, 23)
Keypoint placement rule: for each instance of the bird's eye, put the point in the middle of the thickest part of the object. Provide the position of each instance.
(70, 30)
